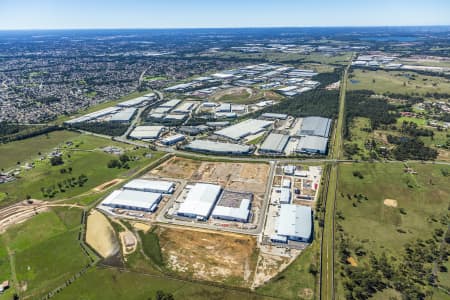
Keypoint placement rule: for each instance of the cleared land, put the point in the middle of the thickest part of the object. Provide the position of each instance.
(251, 177)
(244, 95)
(400, 82)
(209, 256)
(100, 235)
(370, 227)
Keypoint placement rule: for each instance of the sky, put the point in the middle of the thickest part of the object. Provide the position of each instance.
(72, 14)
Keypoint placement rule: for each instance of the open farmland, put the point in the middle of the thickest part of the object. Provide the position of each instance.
(385, 213)
(228, 258)
(45, 251)
(107, 284)
(83, 158)
(400, 82)
(23, 150)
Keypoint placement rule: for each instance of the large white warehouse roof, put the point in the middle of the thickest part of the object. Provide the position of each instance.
(243, 129)
(146, 132)
(128, 199)
(217, 147)
(200, 200)
(295, 222)
(156, 186)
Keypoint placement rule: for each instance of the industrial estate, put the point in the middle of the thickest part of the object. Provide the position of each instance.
(225, 164)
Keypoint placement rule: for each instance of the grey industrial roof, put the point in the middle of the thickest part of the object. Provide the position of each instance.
(275, 143)
(310, 142)
(315, 126)
(184, 107)
(241, 212)
(94, 115)
(274, 116)
(243, 129)
(295, 221)
(137, 101)
(146, 132)
(173, 138)
(170, 103)
(217, 147)
(124, 115)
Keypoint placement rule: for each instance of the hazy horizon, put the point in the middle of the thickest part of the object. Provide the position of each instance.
(202, 14)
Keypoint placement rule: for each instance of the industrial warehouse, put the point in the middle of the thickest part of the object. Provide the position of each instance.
(294, 223)
(146, 132)
(200, 201)
(275, 143)
(233, 206)
(243, 129)
(218, 147)
(289, 217)
(315, 126)
(138, 195)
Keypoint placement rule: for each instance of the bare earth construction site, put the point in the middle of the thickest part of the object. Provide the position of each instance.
(221, 221)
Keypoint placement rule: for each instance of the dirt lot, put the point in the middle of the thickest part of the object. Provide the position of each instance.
(235, 91)
(268, 267)
(107, 185)
(229, 258)
(100, 235)
(247, 177)
(177, 167)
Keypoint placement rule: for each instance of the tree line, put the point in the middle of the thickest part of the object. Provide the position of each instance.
(106, 128)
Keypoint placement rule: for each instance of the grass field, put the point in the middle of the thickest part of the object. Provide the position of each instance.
(400, 82)
(85, 159)
(422, 200)
(20, 151)
(46, 251)
(99, 284)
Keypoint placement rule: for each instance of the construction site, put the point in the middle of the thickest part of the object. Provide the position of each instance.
(215, 195)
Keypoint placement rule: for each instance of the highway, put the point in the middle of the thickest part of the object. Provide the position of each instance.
(327, 243)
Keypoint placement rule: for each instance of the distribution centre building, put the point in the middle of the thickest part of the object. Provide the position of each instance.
(123, 116)
(316, 126)
(274, 143)
(243, 129)
(133, 200)
(146, 132)
(200, 201)
(294, 223)
(233, 206)
(312, 145)
(154, 186)
(217, 147)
